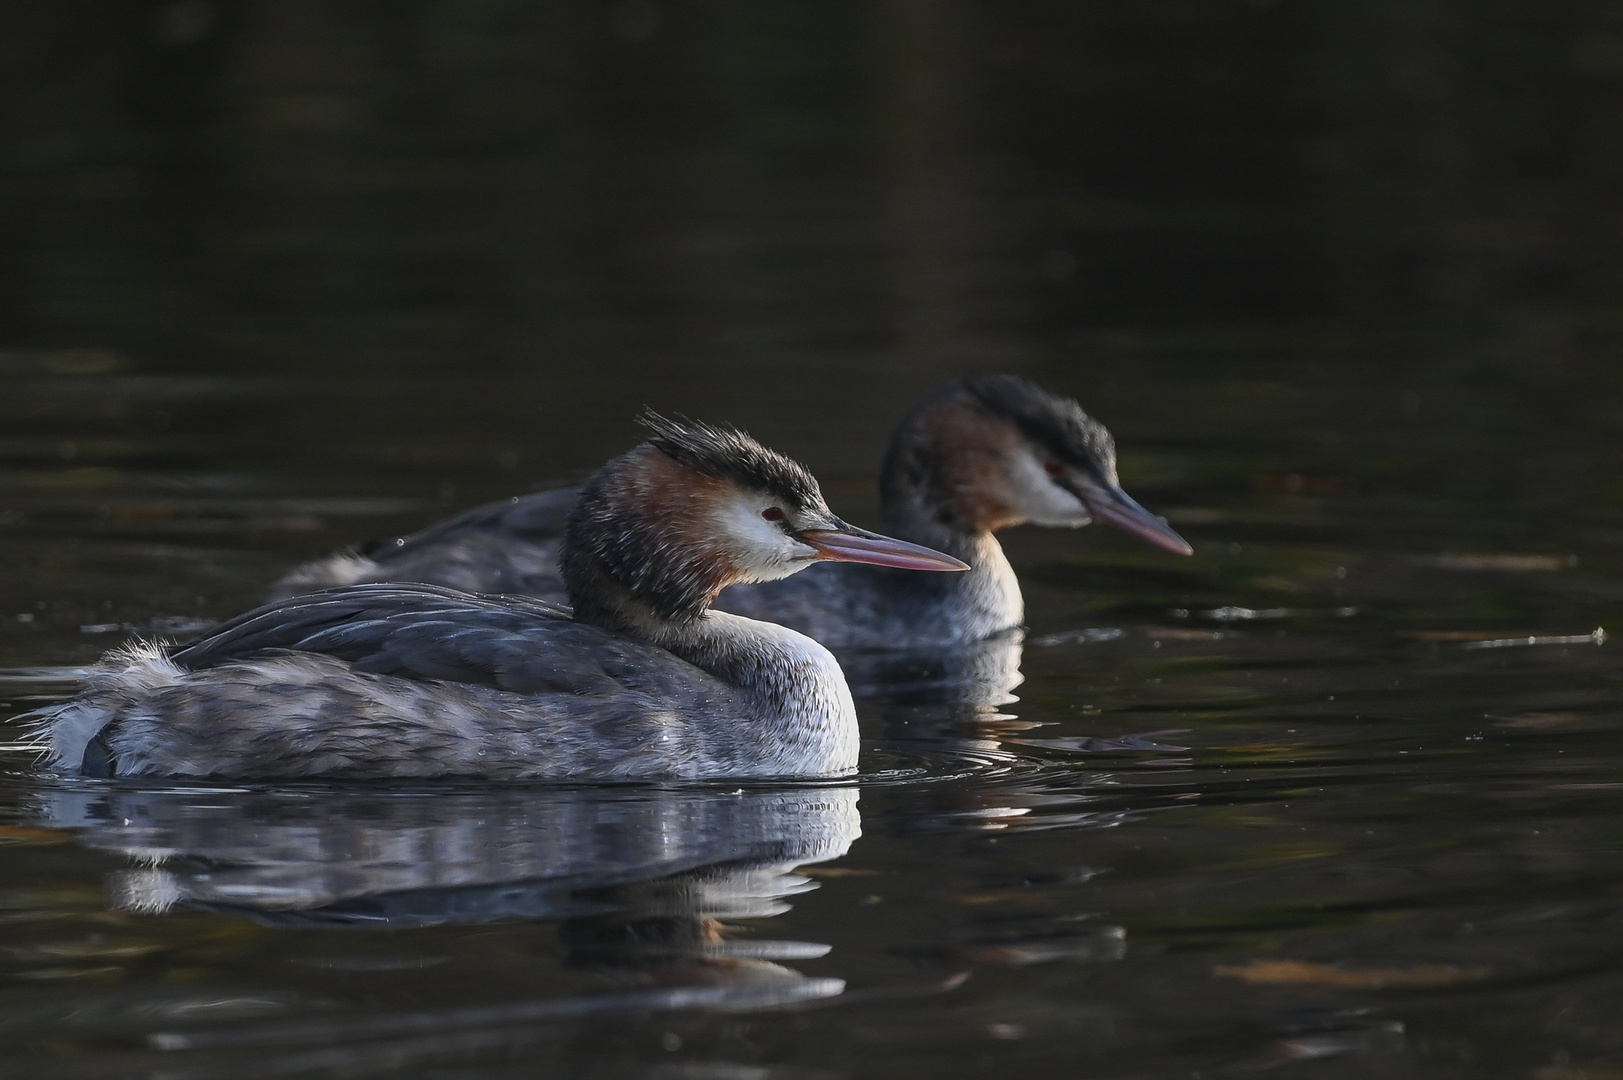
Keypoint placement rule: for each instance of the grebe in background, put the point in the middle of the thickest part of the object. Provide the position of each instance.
(413, 680)
(972, 457)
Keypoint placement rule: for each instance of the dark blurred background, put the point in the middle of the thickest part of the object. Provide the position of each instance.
(384, 185)
(443, 250)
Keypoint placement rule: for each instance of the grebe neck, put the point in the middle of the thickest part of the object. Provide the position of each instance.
(926, 498)
(920, 501)
(627, 557)
(982, 601)
(801, 697)
(784, 667)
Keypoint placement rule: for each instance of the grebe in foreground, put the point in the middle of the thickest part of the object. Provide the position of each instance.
(411, 680)
(971, 458)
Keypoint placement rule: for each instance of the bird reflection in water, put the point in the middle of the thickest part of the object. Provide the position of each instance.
(952, 707)
(945, 705)
(641, 878)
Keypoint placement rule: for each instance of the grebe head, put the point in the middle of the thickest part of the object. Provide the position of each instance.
(659, 531)
(999, 450)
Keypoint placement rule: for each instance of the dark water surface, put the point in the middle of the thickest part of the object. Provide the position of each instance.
(1341, 795)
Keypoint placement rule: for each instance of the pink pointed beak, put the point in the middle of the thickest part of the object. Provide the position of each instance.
(847, 543)
(1115, 507)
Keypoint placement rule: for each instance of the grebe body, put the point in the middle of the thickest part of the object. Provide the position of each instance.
(640, 680)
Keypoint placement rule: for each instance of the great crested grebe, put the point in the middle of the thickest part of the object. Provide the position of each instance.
(411, 680)
(972, 457)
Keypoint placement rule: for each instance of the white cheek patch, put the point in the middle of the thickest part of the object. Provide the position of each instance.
(763, 550)
(1040, 500)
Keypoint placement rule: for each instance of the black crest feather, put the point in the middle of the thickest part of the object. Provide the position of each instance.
(727, 453)
(1055, 423)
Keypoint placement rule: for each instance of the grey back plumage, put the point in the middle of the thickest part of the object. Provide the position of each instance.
(418, 631)
(538, 518)
(507, 546)
(392, 681)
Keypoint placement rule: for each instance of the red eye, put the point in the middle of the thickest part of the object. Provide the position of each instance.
(772, 513)
(1053, 468)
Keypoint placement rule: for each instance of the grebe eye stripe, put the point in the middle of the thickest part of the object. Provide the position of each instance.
(772, 513)
(1053, 468)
